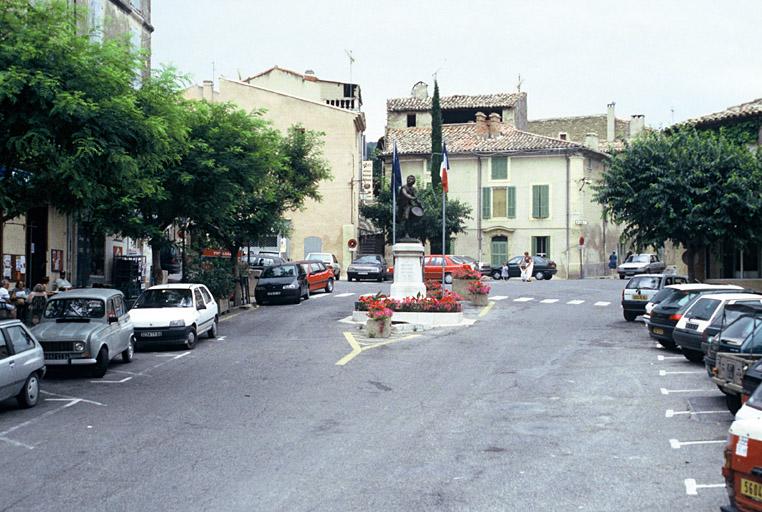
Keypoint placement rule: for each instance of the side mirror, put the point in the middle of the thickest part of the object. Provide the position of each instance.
(112, 319)
(200, 306)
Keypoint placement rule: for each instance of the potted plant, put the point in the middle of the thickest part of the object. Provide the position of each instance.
(462, 278)
(479, 293)
(379, 323)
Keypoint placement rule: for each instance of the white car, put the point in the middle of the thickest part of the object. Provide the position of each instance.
(641, 289)
(174, 313)
(329, 260)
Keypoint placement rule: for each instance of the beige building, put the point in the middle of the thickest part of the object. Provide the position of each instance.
(333, 108)
(528, 192)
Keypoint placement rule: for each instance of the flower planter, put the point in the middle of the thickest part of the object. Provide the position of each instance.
(381, 328)
(460, 286)
(479, 299)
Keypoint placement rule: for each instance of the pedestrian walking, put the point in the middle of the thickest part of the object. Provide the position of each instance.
(504, 272)
(613, 261)
(527, 267)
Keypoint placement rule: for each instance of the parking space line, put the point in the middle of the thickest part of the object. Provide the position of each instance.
(691, 487)
(601, 303)
(523, 299)
(663, 373)
(232, 315)
(320, 295)
(65, 397)
(662, 358)
(670, 413)
(575, 302)
(665, 391)
(103, 381)
(344, 294)
(16, 443)
(676, 445)
(548, 301)
(220, 338)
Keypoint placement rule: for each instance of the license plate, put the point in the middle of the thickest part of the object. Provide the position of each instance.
(692, 326)
(657, 330)
(639, 297)
(751, 489)
(730, 371)
(273, 293)
(151, 334)
(363, 273)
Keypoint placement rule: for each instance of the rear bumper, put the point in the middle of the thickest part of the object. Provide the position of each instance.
(634, 306)
(687, 340)
(660, 331)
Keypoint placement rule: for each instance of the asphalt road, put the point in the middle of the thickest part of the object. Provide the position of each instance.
(538, 406)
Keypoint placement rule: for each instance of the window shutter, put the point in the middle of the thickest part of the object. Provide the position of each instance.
(486, 202)
(536, 201)
(511, 202)
(545, 206)
(499, 168)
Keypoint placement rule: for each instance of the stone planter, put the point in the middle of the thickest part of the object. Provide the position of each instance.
(479, 299)
(379, 328)
(223, 305)
(460, 286)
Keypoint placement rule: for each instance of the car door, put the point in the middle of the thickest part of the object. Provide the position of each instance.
(126, 328)
(204, 320)
(211, 304)
(7, 373)
(315, 277)
(24, 359)
(111, 334)
(513, 266)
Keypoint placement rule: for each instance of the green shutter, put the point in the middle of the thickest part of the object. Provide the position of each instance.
(544, 201)
(486, 203)
(499, 168)
(511, 202)
(536, 201)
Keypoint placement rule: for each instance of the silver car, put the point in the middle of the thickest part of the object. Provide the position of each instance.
(640, 264)
(86, 327)
(22, 364)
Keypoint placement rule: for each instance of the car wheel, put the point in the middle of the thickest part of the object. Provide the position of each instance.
(630, 316)
(694, 356)
(496, 275)
(129, 352)
(733, 402)
(30, 393)
(212, 332)
(190, 339)
(101, 363)
(307, 293)
(448, 279)
(548, 277)
(539, 276)
(329, 286)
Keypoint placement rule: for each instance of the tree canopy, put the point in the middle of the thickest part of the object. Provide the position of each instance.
(691, 188)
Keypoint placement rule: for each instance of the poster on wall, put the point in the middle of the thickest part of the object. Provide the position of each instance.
(6, 266)
(21, 264)
(56, 260)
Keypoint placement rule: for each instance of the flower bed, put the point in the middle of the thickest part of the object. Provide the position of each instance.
(478, 288)
(448, 303)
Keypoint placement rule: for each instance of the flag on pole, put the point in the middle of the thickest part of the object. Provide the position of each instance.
(444, 168)
(396, 171)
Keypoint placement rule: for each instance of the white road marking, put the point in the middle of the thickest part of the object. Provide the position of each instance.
(523, 299)
(548, 301)
(670, 413)
(344, 294)
(347, 320)
(691, 487)
(665, 391)
(123, 371)
(101, 381)
(83, 400)
(675, 444)
(601, 303)
(575, 302)
(662, 373)
(663, 358)
(320, 295)
(499, 297)
(221, 338)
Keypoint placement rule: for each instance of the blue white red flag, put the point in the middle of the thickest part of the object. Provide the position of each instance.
(444, 168)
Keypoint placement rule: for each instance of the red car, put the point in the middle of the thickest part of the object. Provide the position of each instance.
(432, 266)
(319, 277)
(743, 458)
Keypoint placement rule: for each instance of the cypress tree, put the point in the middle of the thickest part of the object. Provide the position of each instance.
(436, 138)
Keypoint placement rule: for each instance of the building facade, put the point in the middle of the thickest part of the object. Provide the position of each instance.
(330, 107)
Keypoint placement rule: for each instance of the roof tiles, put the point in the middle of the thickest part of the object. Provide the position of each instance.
(485, 101)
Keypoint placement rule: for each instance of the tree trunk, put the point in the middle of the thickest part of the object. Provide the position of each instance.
(157, 276)
(237, 293)
(693, 257)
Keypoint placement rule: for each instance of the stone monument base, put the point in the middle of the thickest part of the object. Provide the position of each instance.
(408, 270)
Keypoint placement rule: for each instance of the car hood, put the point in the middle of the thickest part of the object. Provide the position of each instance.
(160, 317)
(52, 330)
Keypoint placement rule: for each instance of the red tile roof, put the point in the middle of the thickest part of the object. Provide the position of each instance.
(485, 101)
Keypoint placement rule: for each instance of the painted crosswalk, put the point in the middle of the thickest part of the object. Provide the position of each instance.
(548, 301)
(601, 303)
(498, 297)
(576, 302)
(524, 299)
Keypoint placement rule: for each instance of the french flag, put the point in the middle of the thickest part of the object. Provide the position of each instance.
(444, 168)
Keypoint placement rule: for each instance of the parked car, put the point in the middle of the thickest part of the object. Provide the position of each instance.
(291, 282)
(543, 268)
(689, 329)
(435, 264)
(367, 266)
(319, 276)
(175, 314)
(665, 315)
(641, 289)
(259, 262)
(751, 380)
(640, 264)
(743, 458)
(329, 260)
(732, 336)
(87, 326)
(22, 364)
(468, 260)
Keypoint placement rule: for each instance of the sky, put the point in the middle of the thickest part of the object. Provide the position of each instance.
(668, 59)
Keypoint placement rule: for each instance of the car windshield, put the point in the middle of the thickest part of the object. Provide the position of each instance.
(644, 283)
(755, 400)
(279, 271)
(753, 341)
(703, 309)
(640, 258)
(728, 316)
(366, 260)
(75, 308)
(164, 298)
(739, 329)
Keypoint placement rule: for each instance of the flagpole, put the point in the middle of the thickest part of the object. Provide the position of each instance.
(444, 249)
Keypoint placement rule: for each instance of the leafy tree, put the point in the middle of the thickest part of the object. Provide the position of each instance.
(436, 138)
(694, 189)
(427, 228)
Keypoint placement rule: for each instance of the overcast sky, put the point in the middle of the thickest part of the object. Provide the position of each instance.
(574, 57)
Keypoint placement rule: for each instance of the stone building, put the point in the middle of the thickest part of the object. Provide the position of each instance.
(528, 192)
(333, 108)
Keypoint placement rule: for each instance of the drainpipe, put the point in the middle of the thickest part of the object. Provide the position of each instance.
(568, 212)
(479, 206)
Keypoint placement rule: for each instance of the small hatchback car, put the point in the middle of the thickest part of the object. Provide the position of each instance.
(743, 458)
(175, 313)
(641, 289)
(22, 364)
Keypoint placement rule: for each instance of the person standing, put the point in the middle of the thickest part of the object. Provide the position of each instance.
(6, 303)
(505, 272)
(613, 261)
(527, 267)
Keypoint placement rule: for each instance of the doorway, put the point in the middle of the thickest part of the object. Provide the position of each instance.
(37, 244)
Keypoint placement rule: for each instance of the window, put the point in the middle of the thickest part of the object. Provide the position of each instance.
(4, 352)
(411, 120)
(540, 201)
(563, 135)
(541, 246)
(198, 297)
(206, 294)
(486, 203)
(312, 244)
(511, 202)
(316, 267)
(499, 251)
(17, 337)
(498, 202)
(499, 168)
(119, 305)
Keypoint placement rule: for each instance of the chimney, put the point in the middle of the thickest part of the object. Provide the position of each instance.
(309, 75)
(637, 124)
(482, 130)
(610, 122)
(207, 90)
(420, 90)
(493, 125)
(591, 141)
